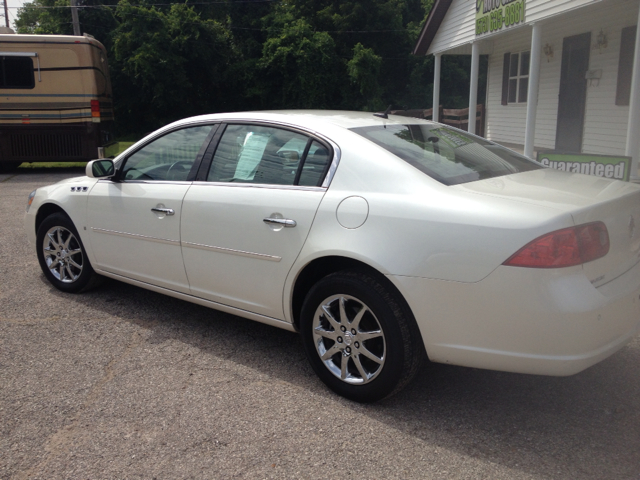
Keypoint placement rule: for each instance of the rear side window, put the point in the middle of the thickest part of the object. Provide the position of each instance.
(446, 155)
(268, 155)
(16, 72)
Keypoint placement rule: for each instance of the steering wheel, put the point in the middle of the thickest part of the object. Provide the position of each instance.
(179, 170)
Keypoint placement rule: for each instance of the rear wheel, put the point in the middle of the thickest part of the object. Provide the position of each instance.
(360, 337)
(62, 255)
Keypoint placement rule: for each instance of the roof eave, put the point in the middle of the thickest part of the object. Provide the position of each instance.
(431, 26)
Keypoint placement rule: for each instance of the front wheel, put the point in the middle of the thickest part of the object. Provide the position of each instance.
(62, 256)
(359, 336)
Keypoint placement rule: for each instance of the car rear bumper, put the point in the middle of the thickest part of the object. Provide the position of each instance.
(548, 322)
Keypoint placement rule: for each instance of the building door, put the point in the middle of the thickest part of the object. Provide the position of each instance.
(573, 92)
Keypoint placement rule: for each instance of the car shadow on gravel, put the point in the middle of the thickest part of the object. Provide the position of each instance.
(585, 426)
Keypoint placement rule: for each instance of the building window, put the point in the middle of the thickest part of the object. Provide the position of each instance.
(16, 72)
(515, 78)
(625, 65)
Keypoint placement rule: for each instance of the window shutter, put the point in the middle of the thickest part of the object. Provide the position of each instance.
(625, 65)
(505, 78)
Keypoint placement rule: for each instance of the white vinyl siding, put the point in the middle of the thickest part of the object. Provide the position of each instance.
(458, 26)
(605, 126)
(537, 10)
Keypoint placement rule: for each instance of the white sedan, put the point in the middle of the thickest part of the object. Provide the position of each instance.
(380, 239)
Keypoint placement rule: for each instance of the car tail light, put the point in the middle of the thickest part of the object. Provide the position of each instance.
(95, 108)
(564, 248)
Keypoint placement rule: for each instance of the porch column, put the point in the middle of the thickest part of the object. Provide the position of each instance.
(532, 93)
(473, 89)
(633, 128)
(436, 87)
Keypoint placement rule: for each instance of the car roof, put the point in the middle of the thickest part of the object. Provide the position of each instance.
(311, 118)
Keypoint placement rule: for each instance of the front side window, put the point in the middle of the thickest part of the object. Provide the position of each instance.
(268, 155)
(168, 158)
(446, 155)
(16, 72)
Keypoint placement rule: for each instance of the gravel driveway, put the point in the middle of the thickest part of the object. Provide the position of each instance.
(125, 383)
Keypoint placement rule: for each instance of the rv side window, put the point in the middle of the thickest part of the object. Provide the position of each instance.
(16, 72)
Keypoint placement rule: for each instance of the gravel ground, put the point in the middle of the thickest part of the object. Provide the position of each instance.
(125, 383)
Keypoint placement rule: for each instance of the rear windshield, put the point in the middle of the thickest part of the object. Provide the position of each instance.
(447, 155)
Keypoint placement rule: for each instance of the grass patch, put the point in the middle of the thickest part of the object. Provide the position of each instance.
(53, 165)
(110, 151)
(117, 148)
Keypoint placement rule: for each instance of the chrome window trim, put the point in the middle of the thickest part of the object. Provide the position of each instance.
(160, 133)
(271, 186)
(261, 256)
(335, 161)
(137, 236)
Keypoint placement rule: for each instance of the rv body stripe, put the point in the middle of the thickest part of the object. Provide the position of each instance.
(40, 42)
(59, 69)
(44, 115)
(83, 95)
(54, 106)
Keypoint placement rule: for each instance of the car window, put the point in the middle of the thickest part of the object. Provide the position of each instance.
(315, 165)
(268, 155)
(169, 157)
(447, 155)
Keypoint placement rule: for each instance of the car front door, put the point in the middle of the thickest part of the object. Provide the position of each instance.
(244, 225)
(134, 219)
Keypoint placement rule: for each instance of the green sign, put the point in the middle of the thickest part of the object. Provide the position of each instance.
(450, 138)
(495, 15)
(599, 165)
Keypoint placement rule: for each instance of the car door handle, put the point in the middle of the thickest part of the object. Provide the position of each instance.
(285, 222)
(167, 211)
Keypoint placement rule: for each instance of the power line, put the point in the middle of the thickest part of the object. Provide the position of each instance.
(230, 27)
(46, 7)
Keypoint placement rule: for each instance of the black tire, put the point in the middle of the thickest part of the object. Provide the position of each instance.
(349, 368)
(62, 255)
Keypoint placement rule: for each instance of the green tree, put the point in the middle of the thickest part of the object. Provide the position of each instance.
(300, 67)
(177, 59)
(168, 64)
(364, 71)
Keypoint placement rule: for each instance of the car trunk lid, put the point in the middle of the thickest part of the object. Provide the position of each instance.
(587, 199)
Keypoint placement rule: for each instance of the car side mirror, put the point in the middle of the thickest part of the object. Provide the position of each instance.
(103, 168)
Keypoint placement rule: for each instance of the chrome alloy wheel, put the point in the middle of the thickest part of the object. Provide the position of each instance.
(62, 254)
(349, 339)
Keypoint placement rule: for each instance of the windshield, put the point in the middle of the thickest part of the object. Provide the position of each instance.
(447, 155)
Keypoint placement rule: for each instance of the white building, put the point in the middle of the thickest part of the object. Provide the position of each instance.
(564, 75)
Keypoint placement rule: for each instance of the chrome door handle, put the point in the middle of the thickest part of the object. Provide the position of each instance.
(167, 211)
(285, 222)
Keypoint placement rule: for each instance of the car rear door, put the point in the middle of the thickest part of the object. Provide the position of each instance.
(245, 222)
(134, 220)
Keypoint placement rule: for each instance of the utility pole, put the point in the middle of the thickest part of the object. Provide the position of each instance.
(6, 13)
(74, 16)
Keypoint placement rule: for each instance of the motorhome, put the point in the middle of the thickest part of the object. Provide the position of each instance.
(55, 99)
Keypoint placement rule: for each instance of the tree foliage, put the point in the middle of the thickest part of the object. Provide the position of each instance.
(168, 64)
(173, 59)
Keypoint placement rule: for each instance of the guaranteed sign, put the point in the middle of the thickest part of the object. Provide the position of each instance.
(494, 15)
(598, 165)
